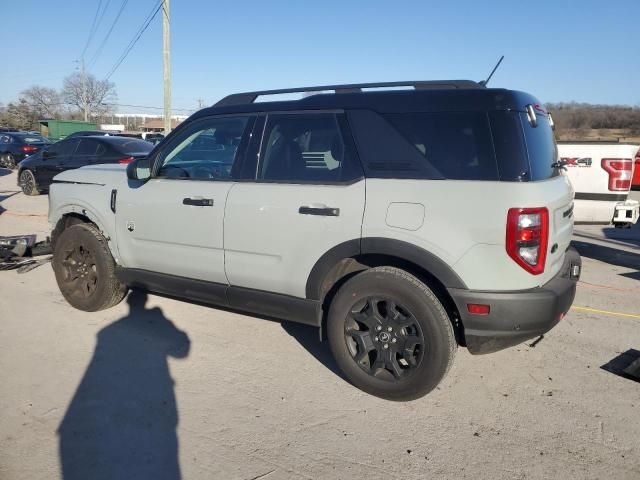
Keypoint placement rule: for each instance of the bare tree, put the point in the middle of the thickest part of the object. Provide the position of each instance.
(45, 102)
(91, 96)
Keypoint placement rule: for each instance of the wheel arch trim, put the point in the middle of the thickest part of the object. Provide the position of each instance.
(342, 260)
(79, 208)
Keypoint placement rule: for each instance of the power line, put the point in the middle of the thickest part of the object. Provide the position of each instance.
(145, 106)
(106, 38)
(133, 42)
(92, 30)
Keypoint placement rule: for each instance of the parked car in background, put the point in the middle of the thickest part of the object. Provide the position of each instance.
(635, 181)
(601, 174)
(15, 146)
(86, 133)
(36, 172)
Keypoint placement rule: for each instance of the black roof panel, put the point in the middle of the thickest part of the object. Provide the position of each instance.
(469, 96)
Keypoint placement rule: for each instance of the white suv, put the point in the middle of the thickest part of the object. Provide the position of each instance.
(402, 222)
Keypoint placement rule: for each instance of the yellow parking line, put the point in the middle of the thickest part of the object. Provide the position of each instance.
(595, 310)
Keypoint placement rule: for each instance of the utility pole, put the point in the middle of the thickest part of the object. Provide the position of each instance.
(166, 52)
(83, 79)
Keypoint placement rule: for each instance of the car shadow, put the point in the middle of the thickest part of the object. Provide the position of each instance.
(121, 422)
(612, 256)
(309, 338)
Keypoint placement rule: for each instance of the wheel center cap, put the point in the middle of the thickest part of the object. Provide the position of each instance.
(384, 337)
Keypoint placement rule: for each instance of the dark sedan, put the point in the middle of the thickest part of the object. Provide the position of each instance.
(36, 173)
(15, 146)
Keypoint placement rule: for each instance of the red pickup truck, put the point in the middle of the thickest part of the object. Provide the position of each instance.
(635, 181)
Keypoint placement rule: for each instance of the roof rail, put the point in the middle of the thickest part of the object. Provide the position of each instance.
(250, 97)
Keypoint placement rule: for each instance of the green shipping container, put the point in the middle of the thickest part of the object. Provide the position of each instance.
(58, 129)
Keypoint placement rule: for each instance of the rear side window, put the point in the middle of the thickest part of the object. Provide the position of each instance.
(304, 147)
(456, 144)
(134, 146)
(87, 147)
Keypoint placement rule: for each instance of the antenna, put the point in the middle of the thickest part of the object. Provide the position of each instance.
(484, 82)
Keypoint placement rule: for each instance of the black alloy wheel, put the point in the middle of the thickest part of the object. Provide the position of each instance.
(79, 271)
(390, 334)
(7, 160)
(384, 338)
(28, 183)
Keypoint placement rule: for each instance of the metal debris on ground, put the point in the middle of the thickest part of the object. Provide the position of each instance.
(18, 252)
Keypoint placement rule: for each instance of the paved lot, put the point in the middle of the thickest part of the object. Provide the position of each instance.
(224, 395)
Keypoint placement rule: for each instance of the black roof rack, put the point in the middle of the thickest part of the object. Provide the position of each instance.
(250, 97)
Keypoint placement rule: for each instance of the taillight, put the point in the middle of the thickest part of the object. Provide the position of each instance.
(28, 148)
(527, 237)
(125, 161)
(619, 170)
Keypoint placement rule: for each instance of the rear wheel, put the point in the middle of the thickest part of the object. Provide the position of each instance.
(28, 183)
(390, 334)
(7, 160)
(85, 269)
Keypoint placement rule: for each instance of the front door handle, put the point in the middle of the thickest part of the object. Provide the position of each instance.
(198, 202)
(319, 210)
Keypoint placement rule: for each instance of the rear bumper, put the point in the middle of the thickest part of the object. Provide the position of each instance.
(520, 315)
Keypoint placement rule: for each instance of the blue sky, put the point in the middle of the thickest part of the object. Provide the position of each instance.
(562, 50)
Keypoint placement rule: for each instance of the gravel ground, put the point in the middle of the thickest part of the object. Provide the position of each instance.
(223, 395)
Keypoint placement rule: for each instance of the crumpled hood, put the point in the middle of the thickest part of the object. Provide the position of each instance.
(106, 174)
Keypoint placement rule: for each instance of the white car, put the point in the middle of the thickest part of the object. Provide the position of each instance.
(402, 223)
(601, 174)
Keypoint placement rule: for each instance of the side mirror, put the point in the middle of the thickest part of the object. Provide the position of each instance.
(139, 169)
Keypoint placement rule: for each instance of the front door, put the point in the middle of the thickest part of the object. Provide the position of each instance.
(172, 223)
(306, 197)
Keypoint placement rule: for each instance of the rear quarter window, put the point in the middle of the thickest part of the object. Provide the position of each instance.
(134, 146)
(542, 151)
(456, 144)
(421, 145)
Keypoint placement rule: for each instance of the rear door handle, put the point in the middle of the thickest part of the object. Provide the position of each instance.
(322, 210)
(198, 202)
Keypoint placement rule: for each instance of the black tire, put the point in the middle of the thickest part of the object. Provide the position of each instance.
(8, 161)
(28, 183)
(85, 269)
(408, 314)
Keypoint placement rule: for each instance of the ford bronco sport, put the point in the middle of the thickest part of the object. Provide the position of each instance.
(402, 222)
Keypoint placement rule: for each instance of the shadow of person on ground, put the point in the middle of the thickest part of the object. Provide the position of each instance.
(4, 171)
(121, 422)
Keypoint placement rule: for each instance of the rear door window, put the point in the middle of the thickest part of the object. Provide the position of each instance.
(306, 147)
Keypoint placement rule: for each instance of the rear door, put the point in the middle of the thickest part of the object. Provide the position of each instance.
(55, 160)
(305, 197)
(87, 153)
